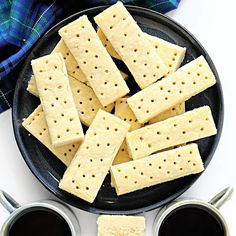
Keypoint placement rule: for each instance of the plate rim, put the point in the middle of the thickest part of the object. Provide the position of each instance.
(93, 209)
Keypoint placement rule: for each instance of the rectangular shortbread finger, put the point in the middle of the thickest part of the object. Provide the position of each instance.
(121, 225)
(155, 169)
(132, 46)
(36, 124)
(91, 163)
(171, 54)
(85, 99)
(97, 65)
(187, 127)
(178, 87)
(57, 100)
(173, 111)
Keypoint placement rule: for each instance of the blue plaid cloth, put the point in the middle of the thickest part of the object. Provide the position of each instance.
(22, 22)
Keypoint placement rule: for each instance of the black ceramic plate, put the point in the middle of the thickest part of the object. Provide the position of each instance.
(49, 170)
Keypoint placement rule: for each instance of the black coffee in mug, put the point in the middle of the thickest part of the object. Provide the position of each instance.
(39, 223)
(191, 220)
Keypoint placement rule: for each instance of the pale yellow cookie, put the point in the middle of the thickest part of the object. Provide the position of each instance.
(120, 225)
(133, 47)
(57, 100)
(187, 127)
(155, 169)
(85, 175)
(179, 86)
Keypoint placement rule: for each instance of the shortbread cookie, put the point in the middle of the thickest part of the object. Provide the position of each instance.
(36, 124)
(171, 54)
(187, 127)
(173, 111)
(155, 169)
(98, 67)
(57, 100)
(131, 44)
(186, 82)
(120, 225)
(88, 169)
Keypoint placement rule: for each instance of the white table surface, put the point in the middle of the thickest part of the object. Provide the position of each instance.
(214, 26)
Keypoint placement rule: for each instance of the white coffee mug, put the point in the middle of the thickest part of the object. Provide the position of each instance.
(16, 211)
(212, 206)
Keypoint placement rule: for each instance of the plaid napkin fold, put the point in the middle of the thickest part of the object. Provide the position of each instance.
(22, 22)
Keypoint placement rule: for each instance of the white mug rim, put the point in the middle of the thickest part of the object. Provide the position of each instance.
(180, 203)
(46, 204)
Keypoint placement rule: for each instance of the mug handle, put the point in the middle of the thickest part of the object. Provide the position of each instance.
(8, 202)
(221, 197)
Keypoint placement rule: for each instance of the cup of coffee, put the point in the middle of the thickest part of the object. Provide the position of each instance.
(193, 217)
(47, 218)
